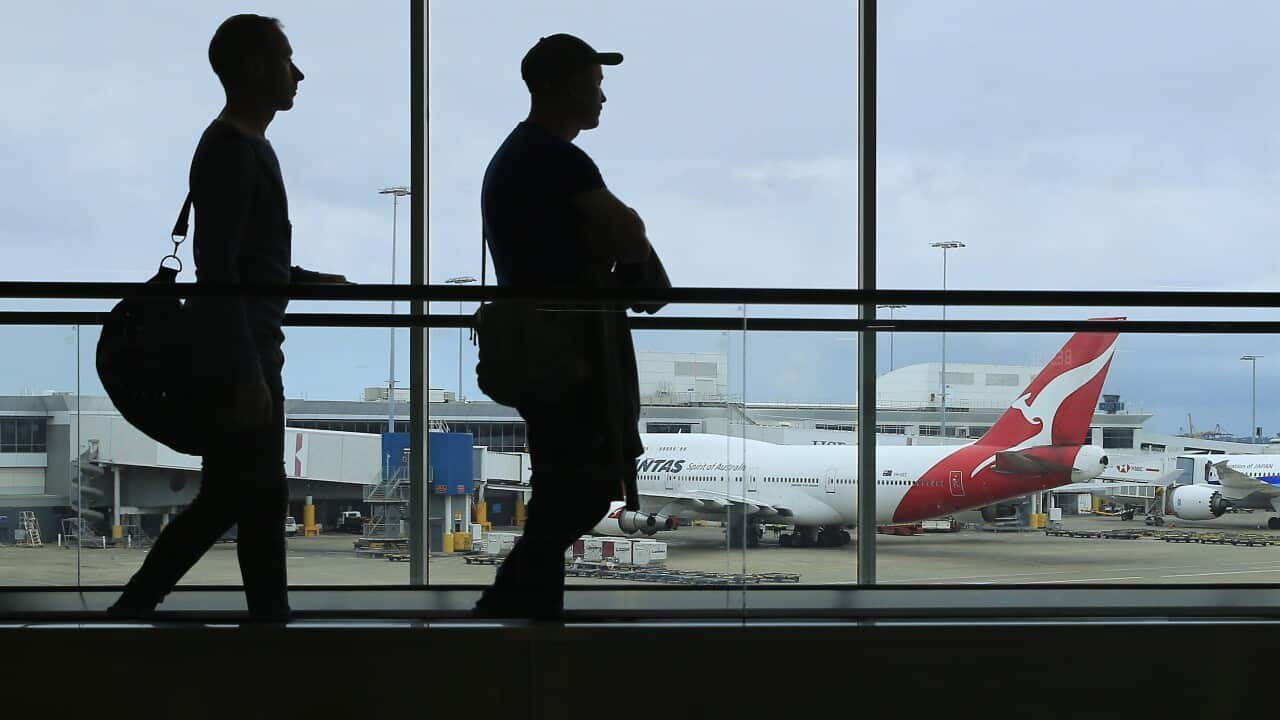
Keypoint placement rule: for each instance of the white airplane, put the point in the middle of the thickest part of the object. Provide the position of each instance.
(1034, 446)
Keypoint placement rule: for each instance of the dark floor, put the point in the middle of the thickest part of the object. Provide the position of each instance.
(409, 669)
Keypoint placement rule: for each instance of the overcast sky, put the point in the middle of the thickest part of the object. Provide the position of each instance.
(1085, 145)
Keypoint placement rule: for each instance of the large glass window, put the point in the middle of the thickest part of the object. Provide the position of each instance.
(731, 197)
(1012, 156)
(122, 146)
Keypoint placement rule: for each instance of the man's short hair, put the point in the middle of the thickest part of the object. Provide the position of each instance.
(238, 37)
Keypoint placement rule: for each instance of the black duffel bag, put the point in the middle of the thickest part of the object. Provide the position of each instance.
(146, 361)
(532, 355)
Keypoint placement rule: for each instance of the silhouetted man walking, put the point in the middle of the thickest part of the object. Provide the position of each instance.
(549, 220)
(242, 235)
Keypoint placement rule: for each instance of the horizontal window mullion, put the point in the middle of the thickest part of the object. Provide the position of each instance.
(384, 320)
(679, 295)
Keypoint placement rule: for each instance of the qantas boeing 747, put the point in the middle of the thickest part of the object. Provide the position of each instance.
(1036, 445)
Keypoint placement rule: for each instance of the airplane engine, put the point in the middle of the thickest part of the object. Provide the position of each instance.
(1195, 502)
(648, 523)
(1090, 462)
(621, 521)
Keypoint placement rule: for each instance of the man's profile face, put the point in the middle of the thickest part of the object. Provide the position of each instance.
(282, 76)
(587, 97)
(274, 77)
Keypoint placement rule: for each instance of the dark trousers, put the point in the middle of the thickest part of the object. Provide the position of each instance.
(571, 493)
(243, 484)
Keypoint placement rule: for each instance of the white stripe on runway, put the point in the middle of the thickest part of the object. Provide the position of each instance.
(1228, 572)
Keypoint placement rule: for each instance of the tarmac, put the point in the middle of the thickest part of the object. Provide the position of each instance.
(970, 556)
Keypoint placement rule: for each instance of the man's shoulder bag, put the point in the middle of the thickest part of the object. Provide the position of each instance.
(145, 359)
(531, 354)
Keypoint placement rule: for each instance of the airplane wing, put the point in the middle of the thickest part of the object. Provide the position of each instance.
(1238, 481)
(707, 501)
(704, 501)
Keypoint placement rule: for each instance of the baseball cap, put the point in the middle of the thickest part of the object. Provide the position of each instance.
(556, 57)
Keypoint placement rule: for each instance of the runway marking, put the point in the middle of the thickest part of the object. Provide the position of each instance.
(1225, 572)
(987, 577)
(1078, 580)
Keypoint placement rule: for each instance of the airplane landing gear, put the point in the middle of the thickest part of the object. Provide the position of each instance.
(833, 536)
(804, 536)
(809, 536)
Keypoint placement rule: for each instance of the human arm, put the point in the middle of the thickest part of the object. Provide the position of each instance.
(302, 275)
(650, 274)
(614, 231)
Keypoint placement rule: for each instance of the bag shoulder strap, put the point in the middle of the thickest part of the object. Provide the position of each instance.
(184, 219)
(179, 234)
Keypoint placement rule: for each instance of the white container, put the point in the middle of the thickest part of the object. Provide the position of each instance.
(648, 552)
(618, 550)
(1055, 514)
(499, 544)
(593, 550)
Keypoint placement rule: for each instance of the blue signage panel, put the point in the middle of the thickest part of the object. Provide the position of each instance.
(451, 460)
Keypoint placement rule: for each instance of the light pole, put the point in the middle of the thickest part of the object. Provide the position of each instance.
(945, 245)
(396, 193)
(891, 309)
(1253, 413)
(460, 280)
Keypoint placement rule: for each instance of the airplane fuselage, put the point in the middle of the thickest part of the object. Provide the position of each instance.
(818, 485)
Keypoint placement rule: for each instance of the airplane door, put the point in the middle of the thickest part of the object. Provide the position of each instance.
(752, 482)
(955, 479)
(1186, 471)
(669, 481)
(829, 482)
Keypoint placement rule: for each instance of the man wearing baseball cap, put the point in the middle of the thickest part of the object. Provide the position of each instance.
(550, 221)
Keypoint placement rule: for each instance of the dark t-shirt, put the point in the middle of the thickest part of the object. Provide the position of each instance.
(242, 235)
(536, 238)
(533, 231)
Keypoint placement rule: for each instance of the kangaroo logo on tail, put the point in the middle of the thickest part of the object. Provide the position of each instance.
(1057, 406)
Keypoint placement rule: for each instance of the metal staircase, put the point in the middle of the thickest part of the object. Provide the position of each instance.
(387, 528)
(78, 530)
(31, 529)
